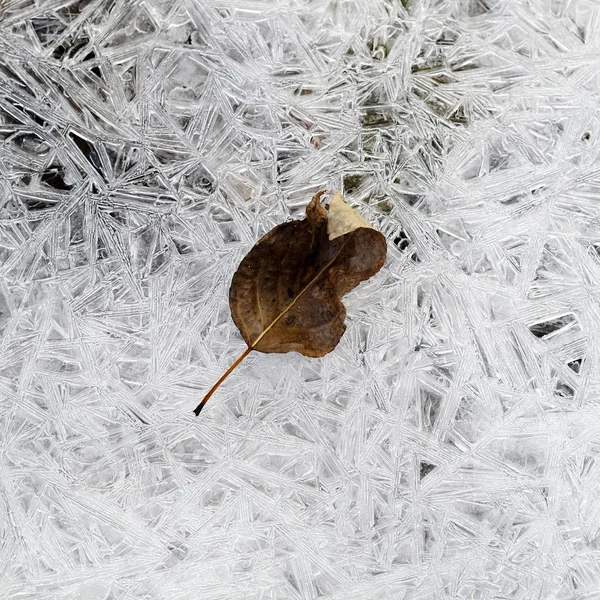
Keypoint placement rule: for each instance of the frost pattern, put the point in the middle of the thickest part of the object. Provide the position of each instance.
(448, 448)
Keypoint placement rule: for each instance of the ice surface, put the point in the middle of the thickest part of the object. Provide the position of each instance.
(448, 448)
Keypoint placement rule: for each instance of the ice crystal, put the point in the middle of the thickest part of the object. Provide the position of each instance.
(448, 448)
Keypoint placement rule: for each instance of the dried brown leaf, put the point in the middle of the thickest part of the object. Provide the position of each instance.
(286, 294)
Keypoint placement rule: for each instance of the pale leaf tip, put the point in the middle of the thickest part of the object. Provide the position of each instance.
(342, 218)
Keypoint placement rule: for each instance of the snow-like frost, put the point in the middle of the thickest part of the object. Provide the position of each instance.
(448, 448)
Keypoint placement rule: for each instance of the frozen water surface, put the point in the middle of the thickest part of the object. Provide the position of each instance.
(448, 448)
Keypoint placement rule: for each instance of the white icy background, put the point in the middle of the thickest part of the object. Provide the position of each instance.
(448, 448)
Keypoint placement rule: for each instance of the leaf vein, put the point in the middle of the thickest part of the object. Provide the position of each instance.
(276, 320)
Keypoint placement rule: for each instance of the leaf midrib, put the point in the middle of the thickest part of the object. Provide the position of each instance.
(283, 312)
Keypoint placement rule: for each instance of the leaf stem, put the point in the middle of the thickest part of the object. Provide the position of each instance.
(213, 389)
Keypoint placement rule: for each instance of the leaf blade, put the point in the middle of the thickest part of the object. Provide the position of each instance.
(286, 293)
